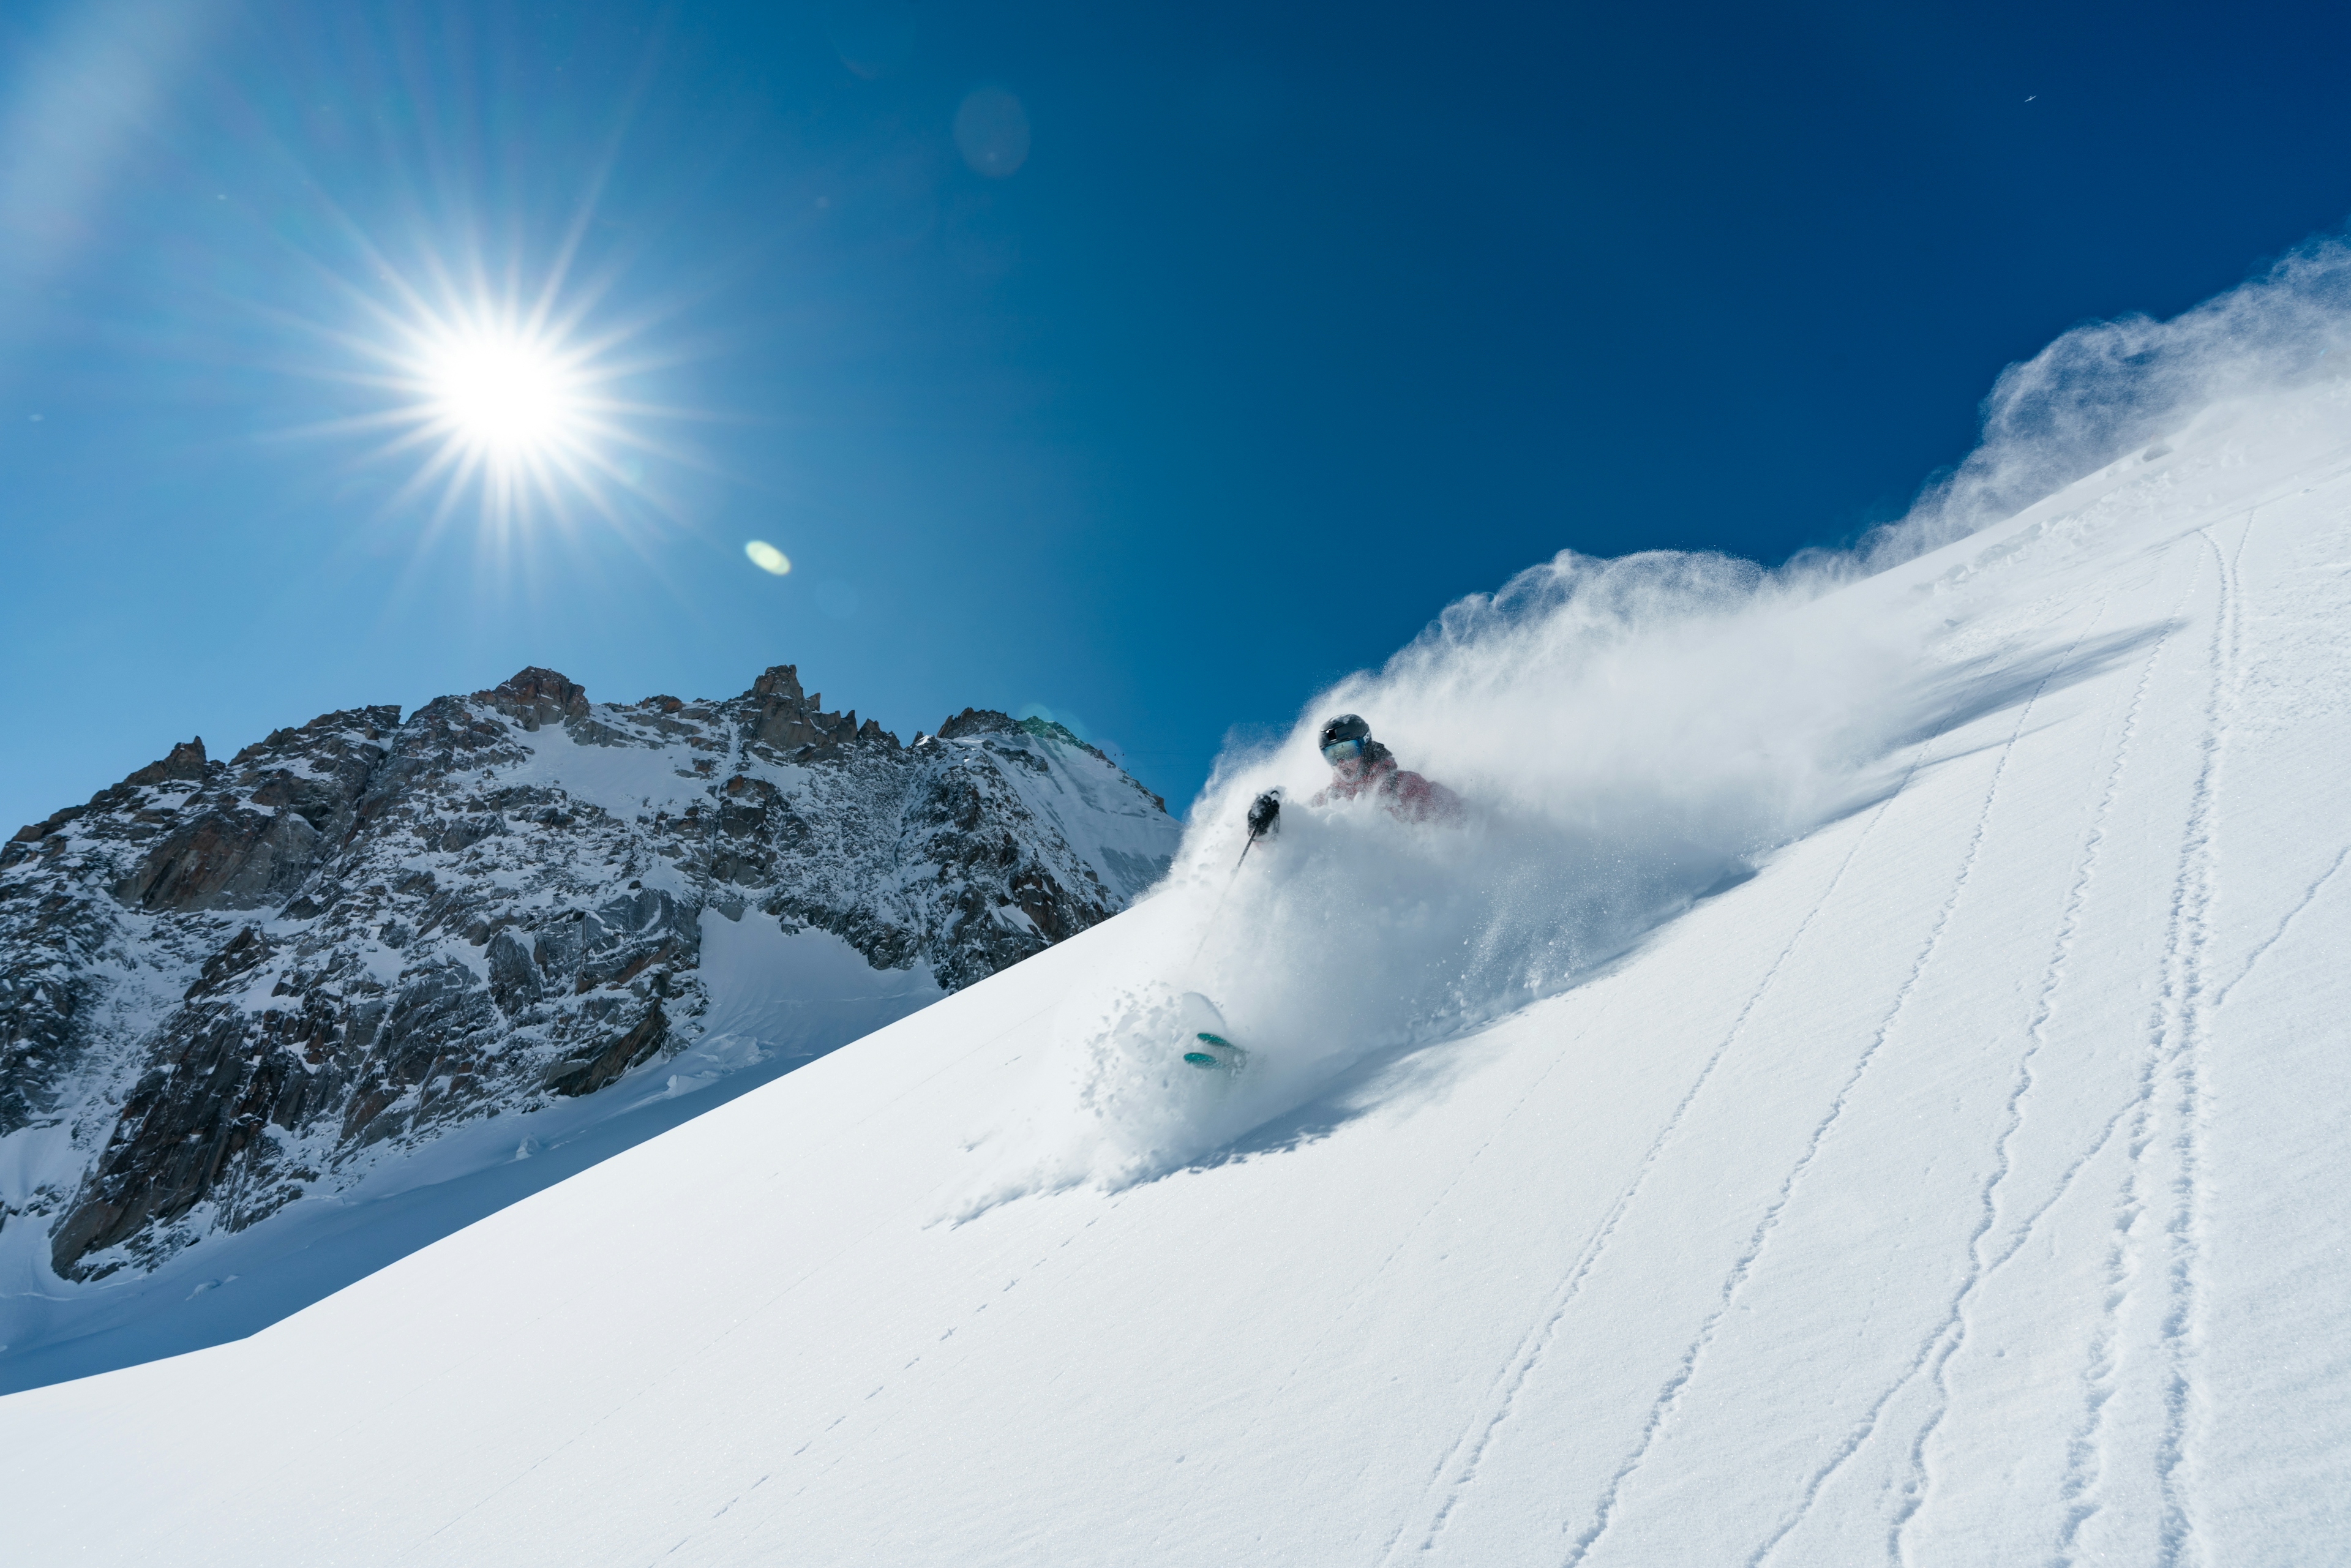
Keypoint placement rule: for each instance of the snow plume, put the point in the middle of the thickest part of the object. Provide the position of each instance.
(2106, 387)
(1628, 735)
(1625, 734)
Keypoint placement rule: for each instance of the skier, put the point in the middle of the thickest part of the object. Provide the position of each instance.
(1361, 765)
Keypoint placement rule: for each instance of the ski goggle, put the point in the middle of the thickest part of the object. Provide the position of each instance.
(1340, 751)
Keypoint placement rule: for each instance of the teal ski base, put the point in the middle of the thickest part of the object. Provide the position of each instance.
(1214, 1051)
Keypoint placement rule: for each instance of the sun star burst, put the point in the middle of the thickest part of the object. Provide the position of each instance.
(504, 394)
(501, 399)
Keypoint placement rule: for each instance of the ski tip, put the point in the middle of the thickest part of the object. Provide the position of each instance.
(1216, 1050)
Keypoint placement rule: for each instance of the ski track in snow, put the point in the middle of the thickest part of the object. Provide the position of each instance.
(1943, 1346)
(1363, 1287)
(654, 1379)
(2309, 896)
(1950, 1336)
(2197, 887)
(1670, 1397)
(969, 1319)
(1537, 1341)
(2171, 1069)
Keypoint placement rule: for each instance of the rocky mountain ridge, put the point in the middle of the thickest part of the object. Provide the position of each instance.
(224, 986)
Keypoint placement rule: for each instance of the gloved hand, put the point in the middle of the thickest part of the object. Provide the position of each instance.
(1265, 814)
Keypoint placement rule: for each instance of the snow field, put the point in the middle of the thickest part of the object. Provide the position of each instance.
(1967, 1186)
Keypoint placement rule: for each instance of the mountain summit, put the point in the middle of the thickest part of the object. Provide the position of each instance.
(228, 987)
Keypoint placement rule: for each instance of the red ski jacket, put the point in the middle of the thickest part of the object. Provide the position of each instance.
(1407, 796)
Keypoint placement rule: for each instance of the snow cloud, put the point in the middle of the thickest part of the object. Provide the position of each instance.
(2106, 387)
(1626, 735)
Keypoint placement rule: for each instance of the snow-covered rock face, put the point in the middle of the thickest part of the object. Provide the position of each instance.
(224, 986)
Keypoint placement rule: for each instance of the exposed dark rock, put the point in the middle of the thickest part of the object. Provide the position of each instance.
(186, 761)
(246, 950)
(224, 860)
(779, 715)
(514, 974)
(643, 1041)
(36, 831)
(535, 696)
(977, 721)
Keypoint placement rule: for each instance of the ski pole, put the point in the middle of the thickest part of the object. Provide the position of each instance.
(1263, 813)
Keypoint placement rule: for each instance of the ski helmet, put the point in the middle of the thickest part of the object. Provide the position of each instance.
(1344, 738)
(1346, 727)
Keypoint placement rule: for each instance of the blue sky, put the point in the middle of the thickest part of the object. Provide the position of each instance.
(1224, 347)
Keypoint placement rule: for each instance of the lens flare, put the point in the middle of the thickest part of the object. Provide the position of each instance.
(767, 558)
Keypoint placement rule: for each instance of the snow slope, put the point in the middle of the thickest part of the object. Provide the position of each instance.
(1965, 1187)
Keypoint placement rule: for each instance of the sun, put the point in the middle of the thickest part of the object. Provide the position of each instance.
(504, 394)
(505, 406)
(504, 399)
(510, 405)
